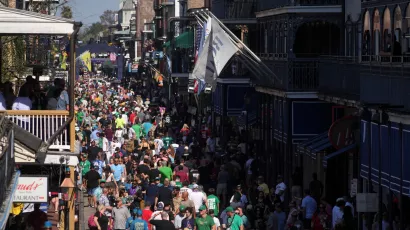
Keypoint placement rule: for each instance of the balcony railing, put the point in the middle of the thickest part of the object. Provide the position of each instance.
(297, 74)
(43, 124)
(340, 76)
(385, 79)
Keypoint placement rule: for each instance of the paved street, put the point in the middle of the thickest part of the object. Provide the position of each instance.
(87, 212)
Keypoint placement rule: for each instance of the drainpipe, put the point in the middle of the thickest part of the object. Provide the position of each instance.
(44, 146)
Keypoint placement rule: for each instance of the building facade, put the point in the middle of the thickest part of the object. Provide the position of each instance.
(371, 77)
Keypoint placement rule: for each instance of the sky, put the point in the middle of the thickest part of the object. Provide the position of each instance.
(89, 11)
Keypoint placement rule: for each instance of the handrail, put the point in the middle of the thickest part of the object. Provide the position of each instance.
(37, 112)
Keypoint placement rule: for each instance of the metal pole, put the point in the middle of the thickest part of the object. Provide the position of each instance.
(380, 174)
(401, 176)
(369, 173)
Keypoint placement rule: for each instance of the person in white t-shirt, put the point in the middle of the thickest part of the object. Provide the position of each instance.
(211, 212)
(197, 197)
(280, 188)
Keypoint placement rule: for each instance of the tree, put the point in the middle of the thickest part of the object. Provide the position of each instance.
(108, 18)
(66, 12)
(92, 31)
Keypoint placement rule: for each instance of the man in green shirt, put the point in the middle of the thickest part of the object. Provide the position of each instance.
(166, 172)
(234, 220)
(213, 201)
(85, 168)
(80, 117)
(138, 131)
(167, 140)
(204, 221)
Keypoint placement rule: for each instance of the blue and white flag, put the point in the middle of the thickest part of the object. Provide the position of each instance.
(202, 41)
(218, 50)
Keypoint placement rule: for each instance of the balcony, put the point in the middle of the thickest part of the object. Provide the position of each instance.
(269, 4)
(297, 74)
(339, 77)
(36, 129)
(385, 80)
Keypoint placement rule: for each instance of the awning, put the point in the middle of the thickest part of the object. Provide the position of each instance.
(185, 40)
(312, 146)
(15, 21)
(337, 153)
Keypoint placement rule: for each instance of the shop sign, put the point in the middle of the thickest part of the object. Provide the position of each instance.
(342, 132)
(31, 189)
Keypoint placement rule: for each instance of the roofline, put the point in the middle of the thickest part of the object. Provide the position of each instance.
(43, 16)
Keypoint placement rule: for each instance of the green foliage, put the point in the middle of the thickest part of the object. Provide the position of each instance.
(13, 57)
(92, 31)
(108, 18)
(66, 12)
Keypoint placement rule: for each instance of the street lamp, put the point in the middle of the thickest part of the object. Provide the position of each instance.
(65, 187)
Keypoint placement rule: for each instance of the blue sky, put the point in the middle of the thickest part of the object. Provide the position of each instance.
(89, 11)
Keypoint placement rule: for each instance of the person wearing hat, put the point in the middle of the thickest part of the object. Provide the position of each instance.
(197, 197)
(204, 221)
(179, 217)
(163, 222)
(213, 201)
(158, 209)
(120, 215)
(135, 222)
(234, 220)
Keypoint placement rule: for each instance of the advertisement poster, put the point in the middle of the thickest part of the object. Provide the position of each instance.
(31, 189)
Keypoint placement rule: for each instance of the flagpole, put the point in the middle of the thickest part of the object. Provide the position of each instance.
(233, 36)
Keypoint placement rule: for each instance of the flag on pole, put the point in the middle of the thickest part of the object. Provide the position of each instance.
(218, 50)
(86, 59)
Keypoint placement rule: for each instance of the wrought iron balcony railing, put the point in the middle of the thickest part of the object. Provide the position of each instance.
(297, 74)
(269, 4)
(340, 76)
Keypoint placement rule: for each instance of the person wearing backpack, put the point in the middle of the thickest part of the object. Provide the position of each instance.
(98, 221)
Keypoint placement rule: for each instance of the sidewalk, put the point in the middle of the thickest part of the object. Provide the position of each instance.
(87, 212)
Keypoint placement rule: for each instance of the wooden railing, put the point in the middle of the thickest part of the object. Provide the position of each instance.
(43, 124)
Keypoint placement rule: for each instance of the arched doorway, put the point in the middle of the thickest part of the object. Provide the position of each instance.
(398, 23)
(317, 38)
(387, 36)
(376, 32)
(366, 34)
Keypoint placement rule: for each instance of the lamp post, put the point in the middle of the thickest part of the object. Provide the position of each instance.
(67, 186)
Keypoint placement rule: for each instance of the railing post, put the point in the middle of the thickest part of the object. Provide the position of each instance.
(72, 135)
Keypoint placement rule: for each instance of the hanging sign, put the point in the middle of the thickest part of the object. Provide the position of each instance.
(31, 190)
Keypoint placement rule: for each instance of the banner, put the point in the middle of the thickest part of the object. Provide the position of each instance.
(31, 190)
(218, 49)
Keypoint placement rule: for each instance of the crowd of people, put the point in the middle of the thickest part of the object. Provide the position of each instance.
(148, 166)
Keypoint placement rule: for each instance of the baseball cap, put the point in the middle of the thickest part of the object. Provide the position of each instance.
(102, 181)
(195, 186)
(203, 207)
(160, 206)
(229, 209)
(137, 211)
(182, 208)
(156, 178)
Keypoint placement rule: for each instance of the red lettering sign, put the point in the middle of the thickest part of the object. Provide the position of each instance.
(341, 132)
(30, 187)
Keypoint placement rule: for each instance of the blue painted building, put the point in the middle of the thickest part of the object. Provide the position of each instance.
(371, 76)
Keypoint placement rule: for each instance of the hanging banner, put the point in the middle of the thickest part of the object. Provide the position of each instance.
(31, 189)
